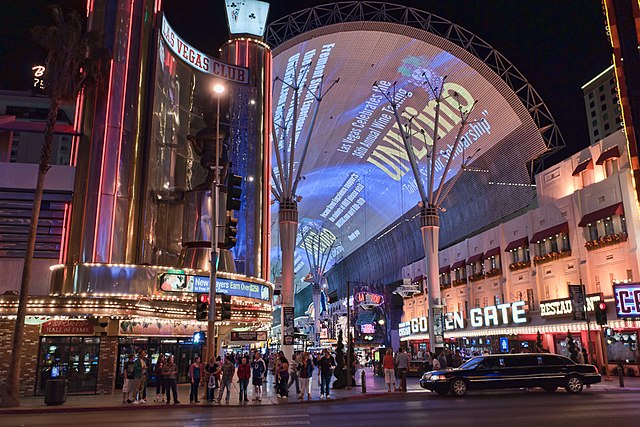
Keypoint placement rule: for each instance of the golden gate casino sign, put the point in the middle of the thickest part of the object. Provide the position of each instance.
(201, 61)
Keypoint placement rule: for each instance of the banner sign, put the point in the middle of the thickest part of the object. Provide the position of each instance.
(249, 336)
(247, 16)
(179, 282)
(438, 324)
(201, 61)
(367, 300)
(564, 306)
(627, 300)
(578, 301)
(67, 327)
(287, 319)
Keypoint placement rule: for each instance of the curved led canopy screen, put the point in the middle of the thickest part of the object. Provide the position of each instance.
(357, 177)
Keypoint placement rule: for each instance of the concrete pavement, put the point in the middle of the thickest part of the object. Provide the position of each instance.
(375, 388)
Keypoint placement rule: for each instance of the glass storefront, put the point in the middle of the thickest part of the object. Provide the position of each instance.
(183, 349)
(73, 358)
(622, 346)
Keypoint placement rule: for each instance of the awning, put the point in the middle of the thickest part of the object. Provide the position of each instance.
(523, 241)
(611, 153)
(492, 252)
(444, 270)
(476, 258)
(458, 264)
(560, 228)
(592, 217)
(587, 164)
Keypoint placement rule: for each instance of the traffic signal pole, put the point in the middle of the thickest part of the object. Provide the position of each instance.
(215, 251)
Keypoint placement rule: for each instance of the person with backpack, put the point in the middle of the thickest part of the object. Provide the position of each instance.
(258, 370)
(244, 373)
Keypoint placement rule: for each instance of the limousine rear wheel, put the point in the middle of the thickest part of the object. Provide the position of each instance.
(574, 384)
(459, 387)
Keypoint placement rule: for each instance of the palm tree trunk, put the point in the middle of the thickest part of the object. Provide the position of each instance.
(13, 380)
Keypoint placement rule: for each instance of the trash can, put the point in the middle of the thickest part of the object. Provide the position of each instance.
(55, 391)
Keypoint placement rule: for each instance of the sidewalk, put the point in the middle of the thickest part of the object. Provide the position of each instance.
(375, 388)
(82, 403)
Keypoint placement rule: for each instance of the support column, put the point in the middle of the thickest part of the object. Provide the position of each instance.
(288, 221)
(430, 228)
(316, 312)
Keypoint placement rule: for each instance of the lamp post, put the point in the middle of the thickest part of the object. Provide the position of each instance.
(215, 251)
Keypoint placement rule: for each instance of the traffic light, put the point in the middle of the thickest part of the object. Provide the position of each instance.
(225, 308)
(601, 313)
(234, 192)
(202, 306)
(230, 231)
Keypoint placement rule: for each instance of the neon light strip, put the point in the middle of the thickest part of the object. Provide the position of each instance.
(61, 257)
(89, 7)
(596, 77)
(123, 101)
(104, 146)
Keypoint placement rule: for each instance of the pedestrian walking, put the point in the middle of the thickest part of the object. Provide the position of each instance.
(244, 373)
(170, 375)
(159, 379)
(139, 370)
(228, 371)
(282, 378)
(305, 373)
(293, 372)
(326, 364)
(195, 373)
(435, 362)
(442, 358)
(258, 370)
(388, 366)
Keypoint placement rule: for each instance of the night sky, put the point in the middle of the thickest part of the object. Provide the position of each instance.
(555, 44)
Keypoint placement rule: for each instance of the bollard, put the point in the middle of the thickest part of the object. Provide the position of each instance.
(364, 382)
(621, 374)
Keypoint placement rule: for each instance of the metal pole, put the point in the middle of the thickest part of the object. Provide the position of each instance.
(215, 252)
(348, 336)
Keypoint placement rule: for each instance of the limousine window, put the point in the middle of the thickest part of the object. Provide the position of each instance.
(520, 361)
(492, 362)
(471, 363)
(550, 360)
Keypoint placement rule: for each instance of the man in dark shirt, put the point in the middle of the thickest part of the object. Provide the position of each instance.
(326, 364)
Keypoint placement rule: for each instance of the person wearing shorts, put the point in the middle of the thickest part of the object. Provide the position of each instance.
(258, 369)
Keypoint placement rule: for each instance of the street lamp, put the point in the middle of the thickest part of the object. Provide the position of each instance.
(218, 89)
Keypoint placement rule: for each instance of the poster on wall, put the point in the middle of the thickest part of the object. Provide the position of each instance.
(287, 319)
(577, 296)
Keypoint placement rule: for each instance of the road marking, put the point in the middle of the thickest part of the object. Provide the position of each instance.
(279, 417)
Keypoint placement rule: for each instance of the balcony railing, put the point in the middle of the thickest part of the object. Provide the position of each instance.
(520, 265)
(551, 256)
(607, 240)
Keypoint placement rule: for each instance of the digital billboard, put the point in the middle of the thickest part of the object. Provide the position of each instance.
(178, 282)
(357, 176)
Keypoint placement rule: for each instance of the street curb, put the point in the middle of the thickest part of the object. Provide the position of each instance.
(146, 407)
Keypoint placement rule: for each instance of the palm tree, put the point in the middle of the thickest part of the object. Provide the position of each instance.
(74, 57)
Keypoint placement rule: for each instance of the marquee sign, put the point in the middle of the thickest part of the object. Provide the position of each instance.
(564, 306)
(67, 327)
(249, 336)
(199, 60)
(494, 315)
(178, 282)
(367, 300)
(627, 300)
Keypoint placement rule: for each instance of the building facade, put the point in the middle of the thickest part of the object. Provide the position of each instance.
(602, 105)
(502, 286)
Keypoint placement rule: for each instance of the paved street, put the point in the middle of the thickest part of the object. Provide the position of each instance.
(521, 408)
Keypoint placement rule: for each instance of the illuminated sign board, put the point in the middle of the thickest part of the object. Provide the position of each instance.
(627, 298)
(247, 16)
(494, 315)
(358, 177)
(201, 61)
(176, 282)
(38, 76)
(368, 300)
(564, 306)
(368, 329)
(249, 336)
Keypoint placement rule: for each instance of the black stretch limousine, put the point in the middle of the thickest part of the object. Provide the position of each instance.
(548, 371)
